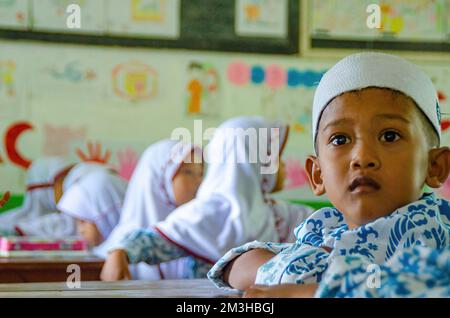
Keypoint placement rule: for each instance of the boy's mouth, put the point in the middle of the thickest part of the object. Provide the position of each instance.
(364, 184)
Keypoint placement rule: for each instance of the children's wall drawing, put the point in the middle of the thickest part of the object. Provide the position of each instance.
(7, 73)
(414, 20)
(14, 14)
(444, 191)
(72, 72)
(94, 153)
(441, 79)
(340, 26)
(56, 98)
(445, 120)
(127, 161)
(135, 81)
(203, 88)
(295, 174)
(11, 144)
(261, 18)
(272, 76)
(282, 92)
(58, 139)
(7, 79)
(145, 18)
(239, 74)
(13, 87)
(62, 77)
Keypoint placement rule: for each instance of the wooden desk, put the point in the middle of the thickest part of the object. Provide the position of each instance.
(190, 288)
(32, 270)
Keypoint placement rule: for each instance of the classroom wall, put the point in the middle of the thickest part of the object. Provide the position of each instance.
(54, 98)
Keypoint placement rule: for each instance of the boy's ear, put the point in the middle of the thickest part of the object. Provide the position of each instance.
(438, 167)
(314, 174)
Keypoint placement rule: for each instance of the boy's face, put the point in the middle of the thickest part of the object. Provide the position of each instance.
(372, 154)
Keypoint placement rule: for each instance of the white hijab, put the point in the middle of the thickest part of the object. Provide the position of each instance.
(230, 207)
(96, 197)
(39, 198)
(150, 199)
(49, 222)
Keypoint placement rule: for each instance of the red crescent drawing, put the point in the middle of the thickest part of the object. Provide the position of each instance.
(11, 136)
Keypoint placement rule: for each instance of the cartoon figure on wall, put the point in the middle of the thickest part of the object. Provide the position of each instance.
(134, 81)
(202, 89)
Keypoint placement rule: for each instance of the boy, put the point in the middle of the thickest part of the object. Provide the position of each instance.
(376, 133)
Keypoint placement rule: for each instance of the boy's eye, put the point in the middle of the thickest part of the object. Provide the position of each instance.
(340, 140)
(390, 136)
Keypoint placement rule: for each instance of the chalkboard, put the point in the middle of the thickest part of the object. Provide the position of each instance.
(204, 25)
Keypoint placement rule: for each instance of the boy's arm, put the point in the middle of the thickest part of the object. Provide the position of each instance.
(147, 245)
(241, 272)
(139, 246)
(248, 264)
(116, 266)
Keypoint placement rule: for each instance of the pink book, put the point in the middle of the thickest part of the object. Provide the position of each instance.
(15, 243)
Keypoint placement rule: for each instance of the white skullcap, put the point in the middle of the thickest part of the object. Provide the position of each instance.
(371, 69)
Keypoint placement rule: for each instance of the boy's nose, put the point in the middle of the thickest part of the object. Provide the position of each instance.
(364, 158)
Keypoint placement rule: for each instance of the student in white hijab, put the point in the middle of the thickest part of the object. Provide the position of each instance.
(39, 197)
(48, 179)
(95, 202)
(230, 207)
(156, 189)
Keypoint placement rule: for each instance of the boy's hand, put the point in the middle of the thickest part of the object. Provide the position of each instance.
(116, 267)
(281, 291)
